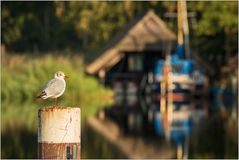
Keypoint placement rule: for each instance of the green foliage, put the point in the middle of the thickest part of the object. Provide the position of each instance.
(215, 16)
(11, 26)
(96, 22)
(60, 25)
(216, 30)
(87, 26)
(23, 77)
(213, 32)
(33, 26)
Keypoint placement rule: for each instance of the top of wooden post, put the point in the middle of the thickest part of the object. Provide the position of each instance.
(50, 108)
(59, 125)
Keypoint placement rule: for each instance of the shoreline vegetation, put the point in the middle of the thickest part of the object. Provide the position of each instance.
(23, 77)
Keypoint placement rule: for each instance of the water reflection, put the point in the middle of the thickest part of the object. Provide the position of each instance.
(95, 147)
(19, 131)
(196, 128)
(19, 144)
(188, 129)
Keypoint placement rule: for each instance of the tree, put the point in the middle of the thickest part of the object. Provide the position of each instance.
(90, 25)
(216, 31)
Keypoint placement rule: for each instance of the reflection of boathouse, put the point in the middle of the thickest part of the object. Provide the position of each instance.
(133, 52)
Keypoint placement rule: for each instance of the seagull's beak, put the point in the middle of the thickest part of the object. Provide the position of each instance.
(66, 77)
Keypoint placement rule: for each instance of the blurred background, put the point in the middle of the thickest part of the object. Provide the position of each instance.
(153, 79)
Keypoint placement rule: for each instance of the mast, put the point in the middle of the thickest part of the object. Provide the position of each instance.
(180, 26)
(183, 30)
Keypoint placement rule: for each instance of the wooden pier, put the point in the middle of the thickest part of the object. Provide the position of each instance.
(132, 146)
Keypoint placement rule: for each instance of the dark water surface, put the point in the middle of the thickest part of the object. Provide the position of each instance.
(209, 136)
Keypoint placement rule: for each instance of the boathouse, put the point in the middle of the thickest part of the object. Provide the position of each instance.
(133, 51)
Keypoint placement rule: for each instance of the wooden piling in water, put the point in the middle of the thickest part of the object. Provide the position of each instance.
(59, 133)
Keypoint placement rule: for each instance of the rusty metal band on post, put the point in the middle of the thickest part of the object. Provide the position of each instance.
(59, 133)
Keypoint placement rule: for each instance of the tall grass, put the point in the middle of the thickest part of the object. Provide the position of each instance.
(24, 76)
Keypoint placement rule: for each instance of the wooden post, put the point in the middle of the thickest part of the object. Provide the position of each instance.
(59, 133)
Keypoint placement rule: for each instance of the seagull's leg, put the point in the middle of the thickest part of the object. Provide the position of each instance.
(53, 101)
(56, 101)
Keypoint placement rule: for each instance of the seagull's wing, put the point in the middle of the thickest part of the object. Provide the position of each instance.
(42, 95)
(54, 87)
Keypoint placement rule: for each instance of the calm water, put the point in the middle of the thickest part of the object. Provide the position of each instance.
(199, 126)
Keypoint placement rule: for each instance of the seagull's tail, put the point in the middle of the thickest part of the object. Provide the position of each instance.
(43, 93)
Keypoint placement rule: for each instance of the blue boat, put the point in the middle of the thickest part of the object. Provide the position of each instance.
(177, 78)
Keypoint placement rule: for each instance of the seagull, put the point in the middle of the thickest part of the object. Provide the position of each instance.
(55, 87)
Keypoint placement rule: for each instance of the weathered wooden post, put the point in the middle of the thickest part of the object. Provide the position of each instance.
(59, 133)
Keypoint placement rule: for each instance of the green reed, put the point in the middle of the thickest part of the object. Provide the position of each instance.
(23, 77)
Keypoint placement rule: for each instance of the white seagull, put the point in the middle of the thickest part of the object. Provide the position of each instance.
(55, 87)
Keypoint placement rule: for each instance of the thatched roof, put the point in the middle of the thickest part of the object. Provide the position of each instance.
(147, 32)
